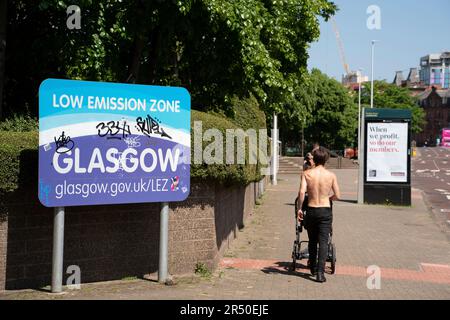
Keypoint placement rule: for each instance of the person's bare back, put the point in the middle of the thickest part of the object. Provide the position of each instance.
(319, 184)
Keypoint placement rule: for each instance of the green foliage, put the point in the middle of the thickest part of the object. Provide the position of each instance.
(19, 123)
(12, 147)
(334, 118)
(272, 39)
(215, 48)
(247, 114)
(387, 95)
(202, 270)
(227, 174)
(324, 108)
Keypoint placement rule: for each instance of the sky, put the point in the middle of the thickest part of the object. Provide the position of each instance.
(410, 29)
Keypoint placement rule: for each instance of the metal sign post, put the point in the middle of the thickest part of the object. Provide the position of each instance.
(58, 249)
(163, 243)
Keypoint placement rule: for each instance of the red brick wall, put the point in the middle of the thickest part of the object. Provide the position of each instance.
(3, 245)
(192, 230)
(113, 242)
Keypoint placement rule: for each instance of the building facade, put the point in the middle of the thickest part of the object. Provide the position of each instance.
(435, 70)
(436, 104)
(430, 84)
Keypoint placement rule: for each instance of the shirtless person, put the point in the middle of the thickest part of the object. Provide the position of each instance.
(319, 182)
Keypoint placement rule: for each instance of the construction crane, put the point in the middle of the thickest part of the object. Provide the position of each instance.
(341, 47)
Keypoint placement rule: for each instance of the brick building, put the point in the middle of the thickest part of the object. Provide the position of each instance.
(436, 104)
(430, 84)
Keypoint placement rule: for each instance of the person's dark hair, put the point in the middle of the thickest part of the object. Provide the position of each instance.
(320, 156)
(316, 145)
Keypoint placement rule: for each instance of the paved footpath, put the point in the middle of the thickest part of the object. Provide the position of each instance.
(406, 243)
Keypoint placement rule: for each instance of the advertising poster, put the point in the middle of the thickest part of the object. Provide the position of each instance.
(111, 143)
(387, 152)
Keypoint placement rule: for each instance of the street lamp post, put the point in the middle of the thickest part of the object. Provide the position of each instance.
(303, 138)
(359, 114)
(360, 158)
(371, 87)
(275, 149)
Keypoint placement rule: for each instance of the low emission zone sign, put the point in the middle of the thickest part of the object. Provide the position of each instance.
(111, 143)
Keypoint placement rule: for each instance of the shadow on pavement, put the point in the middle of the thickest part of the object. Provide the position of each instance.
(349, 201)
(285, 269)
(289, 204)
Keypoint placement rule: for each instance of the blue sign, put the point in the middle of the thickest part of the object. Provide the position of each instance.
(111, 143)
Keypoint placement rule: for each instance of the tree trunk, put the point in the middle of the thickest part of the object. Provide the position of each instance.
(3, 5)
(140, 38)
(153, 54)
(133, 72)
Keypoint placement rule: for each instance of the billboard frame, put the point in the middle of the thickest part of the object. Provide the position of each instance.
(380, 192)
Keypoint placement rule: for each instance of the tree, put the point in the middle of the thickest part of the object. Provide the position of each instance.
(272, 38)
(326, 110)
(387, 95)
(297, 111)
(215, 48)
(334, 118)
(2, 50)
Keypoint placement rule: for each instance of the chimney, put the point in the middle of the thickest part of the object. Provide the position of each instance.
(413, 76)
(398, 78)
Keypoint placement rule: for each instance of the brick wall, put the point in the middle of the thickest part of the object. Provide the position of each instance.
(113, 242)
(192, 230)
(3, 245)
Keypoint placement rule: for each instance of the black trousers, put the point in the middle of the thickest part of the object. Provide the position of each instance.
(318, 223)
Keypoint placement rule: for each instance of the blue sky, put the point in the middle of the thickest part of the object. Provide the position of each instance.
(409, 30)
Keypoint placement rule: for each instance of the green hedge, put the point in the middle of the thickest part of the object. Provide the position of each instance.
(247, 114)
(18, 150)
(222, 173)
(19, 123)
(15, 151)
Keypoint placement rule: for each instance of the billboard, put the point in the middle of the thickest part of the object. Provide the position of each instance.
(387, 152)
(445, 137)
(112, 143)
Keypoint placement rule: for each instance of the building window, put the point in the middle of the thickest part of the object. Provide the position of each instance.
(425, 75)
(435, 76)
(447, 78)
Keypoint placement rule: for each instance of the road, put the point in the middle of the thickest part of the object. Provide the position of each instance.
(431, 174)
